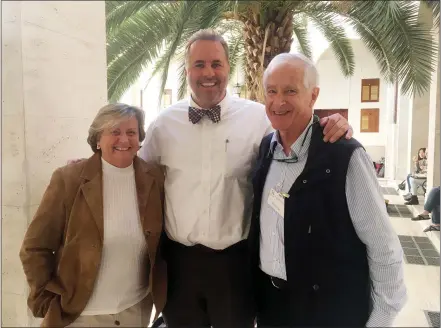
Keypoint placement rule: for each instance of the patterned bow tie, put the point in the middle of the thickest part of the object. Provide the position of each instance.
(195, 114)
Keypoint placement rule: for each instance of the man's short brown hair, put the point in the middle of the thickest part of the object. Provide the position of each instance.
(208, 35)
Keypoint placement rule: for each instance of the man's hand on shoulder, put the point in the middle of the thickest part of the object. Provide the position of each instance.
(335, 127)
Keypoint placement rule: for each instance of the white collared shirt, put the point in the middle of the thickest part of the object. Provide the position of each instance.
(208, 189)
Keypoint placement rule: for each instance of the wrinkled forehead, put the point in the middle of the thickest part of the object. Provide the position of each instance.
(285, 73)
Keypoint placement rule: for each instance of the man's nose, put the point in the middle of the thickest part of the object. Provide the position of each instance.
(208, 72)
(278, 100)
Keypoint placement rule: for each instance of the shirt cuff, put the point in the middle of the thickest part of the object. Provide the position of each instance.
(379, 318)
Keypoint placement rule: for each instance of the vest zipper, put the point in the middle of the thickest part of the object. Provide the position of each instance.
(309, 231)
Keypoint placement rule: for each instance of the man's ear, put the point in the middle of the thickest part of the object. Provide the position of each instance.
(315, 94)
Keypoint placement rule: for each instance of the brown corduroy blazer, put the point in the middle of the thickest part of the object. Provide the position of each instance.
(61, 251)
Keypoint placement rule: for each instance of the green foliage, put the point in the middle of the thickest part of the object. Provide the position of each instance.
(142, 33)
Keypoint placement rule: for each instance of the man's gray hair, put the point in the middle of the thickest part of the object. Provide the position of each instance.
(111, 115)
(208, 35)
(311, 78)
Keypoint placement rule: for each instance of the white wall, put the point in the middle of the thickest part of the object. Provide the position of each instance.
(402, 167)
(391, 134)
(53, 83)
(433, 147)
(338, 92)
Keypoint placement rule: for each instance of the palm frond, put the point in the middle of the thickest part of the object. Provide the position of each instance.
(401, 45)
(301, 33)
(119, 11)
(182, 80)
(330, 25)
(145, 30)
(411, 45)
(135, 45)
(185, 15)
(236, 51)
(360, 18)
(211, 13)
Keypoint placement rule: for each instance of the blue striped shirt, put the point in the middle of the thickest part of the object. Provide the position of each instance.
(369, 217)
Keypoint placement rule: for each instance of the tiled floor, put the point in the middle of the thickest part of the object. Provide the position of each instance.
(423, 277)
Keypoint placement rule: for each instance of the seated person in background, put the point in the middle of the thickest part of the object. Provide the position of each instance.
(417, 178)
(432, 205)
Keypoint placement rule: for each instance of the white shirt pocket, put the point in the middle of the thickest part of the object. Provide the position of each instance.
(238, 158)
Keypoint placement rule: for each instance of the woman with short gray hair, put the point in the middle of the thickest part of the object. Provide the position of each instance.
(91, 254)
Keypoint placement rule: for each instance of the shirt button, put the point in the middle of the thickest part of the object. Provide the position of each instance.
(328, 171)
(316, 287)
(117, 323)
(305, 181)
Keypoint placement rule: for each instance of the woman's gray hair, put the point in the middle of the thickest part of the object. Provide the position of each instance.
(111, 115)
(311, 78)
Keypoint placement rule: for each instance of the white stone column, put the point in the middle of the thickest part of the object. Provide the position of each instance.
(433, 148)
(402, 164)
(53, 83)
(390, 151)
(419, 115)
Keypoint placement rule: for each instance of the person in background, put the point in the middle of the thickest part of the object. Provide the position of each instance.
(90, 254)
(416, 178)
(208, 144)
(323, 250)
(432, 205)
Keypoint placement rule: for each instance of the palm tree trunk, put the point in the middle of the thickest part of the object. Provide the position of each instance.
(261, 45)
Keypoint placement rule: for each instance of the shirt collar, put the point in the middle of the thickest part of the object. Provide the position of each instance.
(297, 149)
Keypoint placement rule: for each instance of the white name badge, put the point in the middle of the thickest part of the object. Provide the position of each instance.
(277, 202)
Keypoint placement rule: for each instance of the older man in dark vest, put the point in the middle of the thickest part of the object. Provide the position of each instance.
(323, 250)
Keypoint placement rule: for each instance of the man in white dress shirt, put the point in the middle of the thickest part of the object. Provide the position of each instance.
(323, 251)
(208, 144)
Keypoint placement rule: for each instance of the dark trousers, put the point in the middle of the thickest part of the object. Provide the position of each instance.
(288, 308)
(275, 307)
(208, 287)
(432, 204)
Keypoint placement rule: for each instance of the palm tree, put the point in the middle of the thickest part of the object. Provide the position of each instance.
(142, 33)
